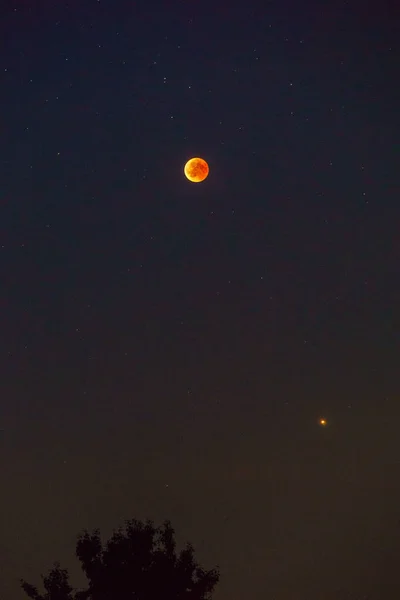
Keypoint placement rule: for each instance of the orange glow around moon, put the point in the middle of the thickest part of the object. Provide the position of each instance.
(196, 170)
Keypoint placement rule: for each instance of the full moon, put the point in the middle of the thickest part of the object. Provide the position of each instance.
(196, 169)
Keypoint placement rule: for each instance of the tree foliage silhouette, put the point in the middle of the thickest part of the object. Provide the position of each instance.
(138, 562)
(56, 586)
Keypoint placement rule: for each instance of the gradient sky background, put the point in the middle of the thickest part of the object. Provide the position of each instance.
(167, 348)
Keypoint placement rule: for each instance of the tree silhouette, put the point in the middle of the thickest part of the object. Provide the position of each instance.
(56, 586)
(138, 562)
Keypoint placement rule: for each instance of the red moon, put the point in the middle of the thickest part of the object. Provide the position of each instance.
(196, 170)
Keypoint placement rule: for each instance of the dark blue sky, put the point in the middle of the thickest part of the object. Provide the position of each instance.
(167, 348)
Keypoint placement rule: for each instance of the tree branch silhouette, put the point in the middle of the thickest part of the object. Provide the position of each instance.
(138, 562)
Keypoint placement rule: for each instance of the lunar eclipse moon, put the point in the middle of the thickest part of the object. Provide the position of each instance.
(196, 170)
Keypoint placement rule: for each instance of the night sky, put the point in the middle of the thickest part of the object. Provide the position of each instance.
(167, 348)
